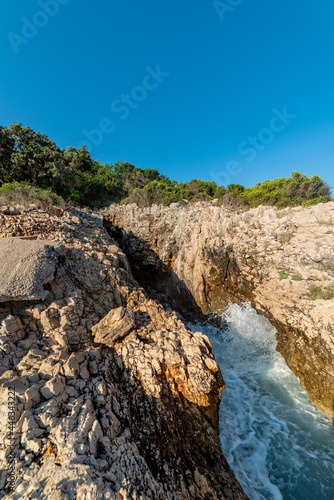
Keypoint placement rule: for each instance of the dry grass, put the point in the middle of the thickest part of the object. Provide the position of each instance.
(321, 292)
(25, 195)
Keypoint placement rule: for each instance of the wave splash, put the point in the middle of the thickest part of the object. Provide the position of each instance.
(277, 442)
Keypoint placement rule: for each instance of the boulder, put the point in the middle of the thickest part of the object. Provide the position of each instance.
(9, 210)
(116, 325)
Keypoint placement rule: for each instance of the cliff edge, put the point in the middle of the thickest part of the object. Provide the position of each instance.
(281, 260)
(103, 394)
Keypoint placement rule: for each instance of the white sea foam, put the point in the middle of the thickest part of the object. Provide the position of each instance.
(276, 441)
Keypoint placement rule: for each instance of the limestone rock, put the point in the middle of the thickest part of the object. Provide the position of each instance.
(53, 387)
(116, 325)
(25, 267)
(94, 422)
(205, 257)
(9, 210)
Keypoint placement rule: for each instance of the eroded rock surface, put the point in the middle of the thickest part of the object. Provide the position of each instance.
(115, 397)
(26, 267)
(206, 256)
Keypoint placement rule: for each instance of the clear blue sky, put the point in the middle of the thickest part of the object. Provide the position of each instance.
(212, 117)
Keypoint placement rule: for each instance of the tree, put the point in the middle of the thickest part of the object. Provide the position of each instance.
(7, 145)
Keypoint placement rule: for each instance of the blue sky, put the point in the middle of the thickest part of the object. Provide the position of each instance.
(235, 91)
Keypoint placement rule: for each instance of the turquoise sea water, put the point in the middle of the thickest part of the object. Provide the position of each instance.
(277, 442)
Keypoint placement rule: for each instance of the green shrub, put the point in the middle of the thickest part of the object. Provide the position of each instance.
(296, 277)
(295, 190)
(283, 275)
(30, 157)
(236, 189)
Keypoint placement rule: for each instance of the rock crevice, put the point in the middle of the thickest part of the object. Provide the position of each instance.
(282, 261)
(115, 397)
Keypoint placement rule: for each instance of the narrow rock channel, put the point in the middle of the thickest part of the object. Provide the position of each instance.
(213, 256)
(277, 442)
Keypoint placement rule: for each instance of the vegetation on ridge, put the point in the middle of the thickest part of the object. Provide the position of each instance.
(296, 190)
(32, 167)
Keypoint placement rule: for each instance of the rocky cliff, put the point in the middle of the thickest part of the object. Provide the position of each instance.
(205, 256)
(104, 394)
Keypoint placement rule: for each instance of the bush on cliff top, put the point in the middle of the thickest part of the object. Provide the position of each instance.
(296, 190)
(28, 157)
(23, 193)
(166, 192)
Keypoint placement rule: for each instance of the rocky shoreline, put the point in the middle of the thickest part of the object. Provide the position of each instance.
(281, 260)
(114, 397)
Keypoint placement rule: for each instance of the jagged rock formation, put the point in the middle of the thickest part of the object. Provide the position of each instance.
(116, 398)
(205, 256)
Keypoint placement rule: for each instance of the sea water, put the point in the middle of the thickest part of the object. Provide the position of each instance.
(279, 445)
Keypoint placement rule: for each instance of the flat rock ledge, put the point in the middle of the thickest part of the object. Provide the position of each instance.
(26, 267)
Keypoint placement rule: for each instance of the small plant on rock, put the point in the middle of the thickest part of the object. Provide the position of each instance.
(283, 275)
(318, 292)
